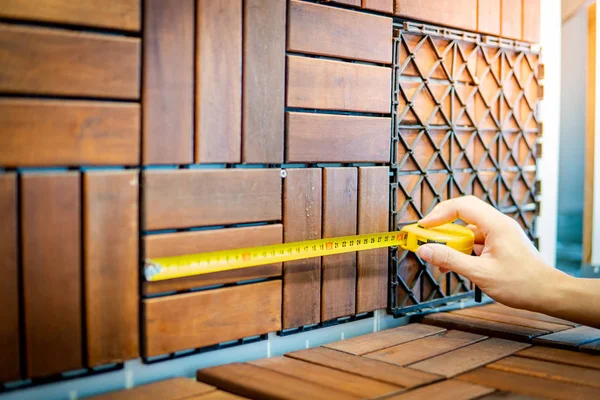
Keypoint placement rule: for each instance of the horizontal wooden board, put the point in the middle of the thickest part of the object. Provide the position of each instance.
(318, 29)
(210, 317)
(561, 356)
(476, 312)
(502, 309)
(169, 389)
(571, 338)
(61, 62)
(337, 138)
(336, 85)
(52, 132)
(188, 198)
(455, 13)
(181, 243)
(450, 389)
(217, 395)
(111, 14)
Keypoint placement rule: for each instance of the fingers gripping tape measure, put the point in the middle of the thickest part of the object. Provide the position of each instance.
(411, 237)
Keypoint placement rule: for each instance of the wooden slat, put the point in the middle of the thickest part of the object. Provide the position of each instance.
(488, 16)
(318, 29)
(531, 20)
(210, 317)
(217, 395)
(256, 382)
(451, 389)
(373, 217)
(337, 138)
(422, 349)
(218, 81)
(68, 63)
(499, 395)
(362, 387)
(51, 246)
(384, 372)
(511, 14)
(188, 198)
(10, 362)
(169, 389)
(168, 77)
(528, 385)
(498, 308)
(483, 327)
(181, 243)
(263, 81)
(110, 240)
(380, 340)
(571, 338)
(337, 85)
(476, 312)
(51, 132)
(561, 356)
(113, 14)
(338, 289)
(386, 6)
(455, 13)
(590, 136)
(592, 347)
(302, 199)
(469, 357)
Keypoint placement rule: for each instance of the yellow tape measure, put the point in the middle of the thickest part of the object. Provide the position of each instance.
(411, 237)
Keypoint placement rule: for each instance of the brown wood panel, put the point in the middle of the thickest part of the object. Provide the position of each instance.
(483, 327)
(380, 340)
(422, 349)
(50, 132)
(338, 272)
(168, 77)
(373, 217)
(348, 2)
(498, 308)
(60, 62)
(337, 138)
(561, 356)
(169, 389)
(113, 14)
(218, 133)
(455, 13)
(210, 317)
(592, 347)
(357, 385)
(217, 395)
(110, 240)
(384, 372)
(470, 357)
(476, 312)
(511, 17)
(51, 246)
(302, 200)
(188, 198)
(571, 338)
(531, 20)
(488, 16)
(590, 135)
(549, 370)
(499, 395)
(10, 362)
(450, 389)
(181, 243)
(386, 6)
(263, 81)
(318, 29)
(256, 382)
(337, 85)
(529, 385)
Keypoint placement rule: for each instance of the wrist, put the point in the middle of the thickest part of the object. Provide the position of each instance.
(557, 290)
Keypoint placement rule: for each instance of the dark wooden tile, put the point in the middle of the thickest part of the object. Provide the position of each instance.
(592, 347)
(476, 312)
(450, 389)
(569, 339)
(498, 308)
(169, 389)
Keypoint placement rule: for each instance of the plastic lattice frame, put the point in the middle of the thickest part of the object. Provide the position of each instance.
(465, 121)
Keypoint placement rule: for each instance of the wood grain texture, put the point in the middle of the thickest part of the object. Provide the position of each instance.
(455, 13)
(255, 382)
(50, 132)
(112, 14)
(450, 389)
(168, 77)
(373, 217)
(360, 386)
(470, 357)
(263, 81)
(500, 395)
(188, 198)
(498, 308)
(337, 85)
(422, 349)
(569, 339)
(337, 138)
(385, 6)
(475, 312)
(181, 243)
(561, 356)
(217, 395)
(51, 246)
(380, 340)
(592, 347)
(169, 389)
(511, 17)
(531, 20)
(110, 240)
(302, 200)
(590, 136)
(318, 29)
(10, 362)
(218, 81)
(210, 317)
(380, 371)
(60, 62)
(488, 16)
(338, 272)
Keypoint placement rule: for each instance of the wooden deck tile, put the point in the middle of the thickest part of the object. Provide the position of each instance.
(592, 347)
(475, 312)
(571, 338)
(502, 309)
(451, 389)
(561, 356)
(169, 389)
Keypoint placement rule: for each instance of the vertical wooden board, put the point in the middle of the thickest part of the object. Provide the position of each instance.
(385, 6)
(218, 81)
(51, 247)
(263, 81)
(531, 20)
(488, 16)
(10, 362)
(455, 13)
(450, 389)
(168, 76)
(302, 200)
(338, 290)
(168, 389)
(110, 242)
(373, 217)
(511, 14)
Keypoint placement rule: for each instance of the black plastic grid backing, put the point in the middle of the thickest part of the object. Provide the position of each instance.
(465, 121)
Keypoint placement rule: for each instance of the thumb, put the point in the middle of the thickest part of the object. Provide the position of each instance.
(445, 257)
